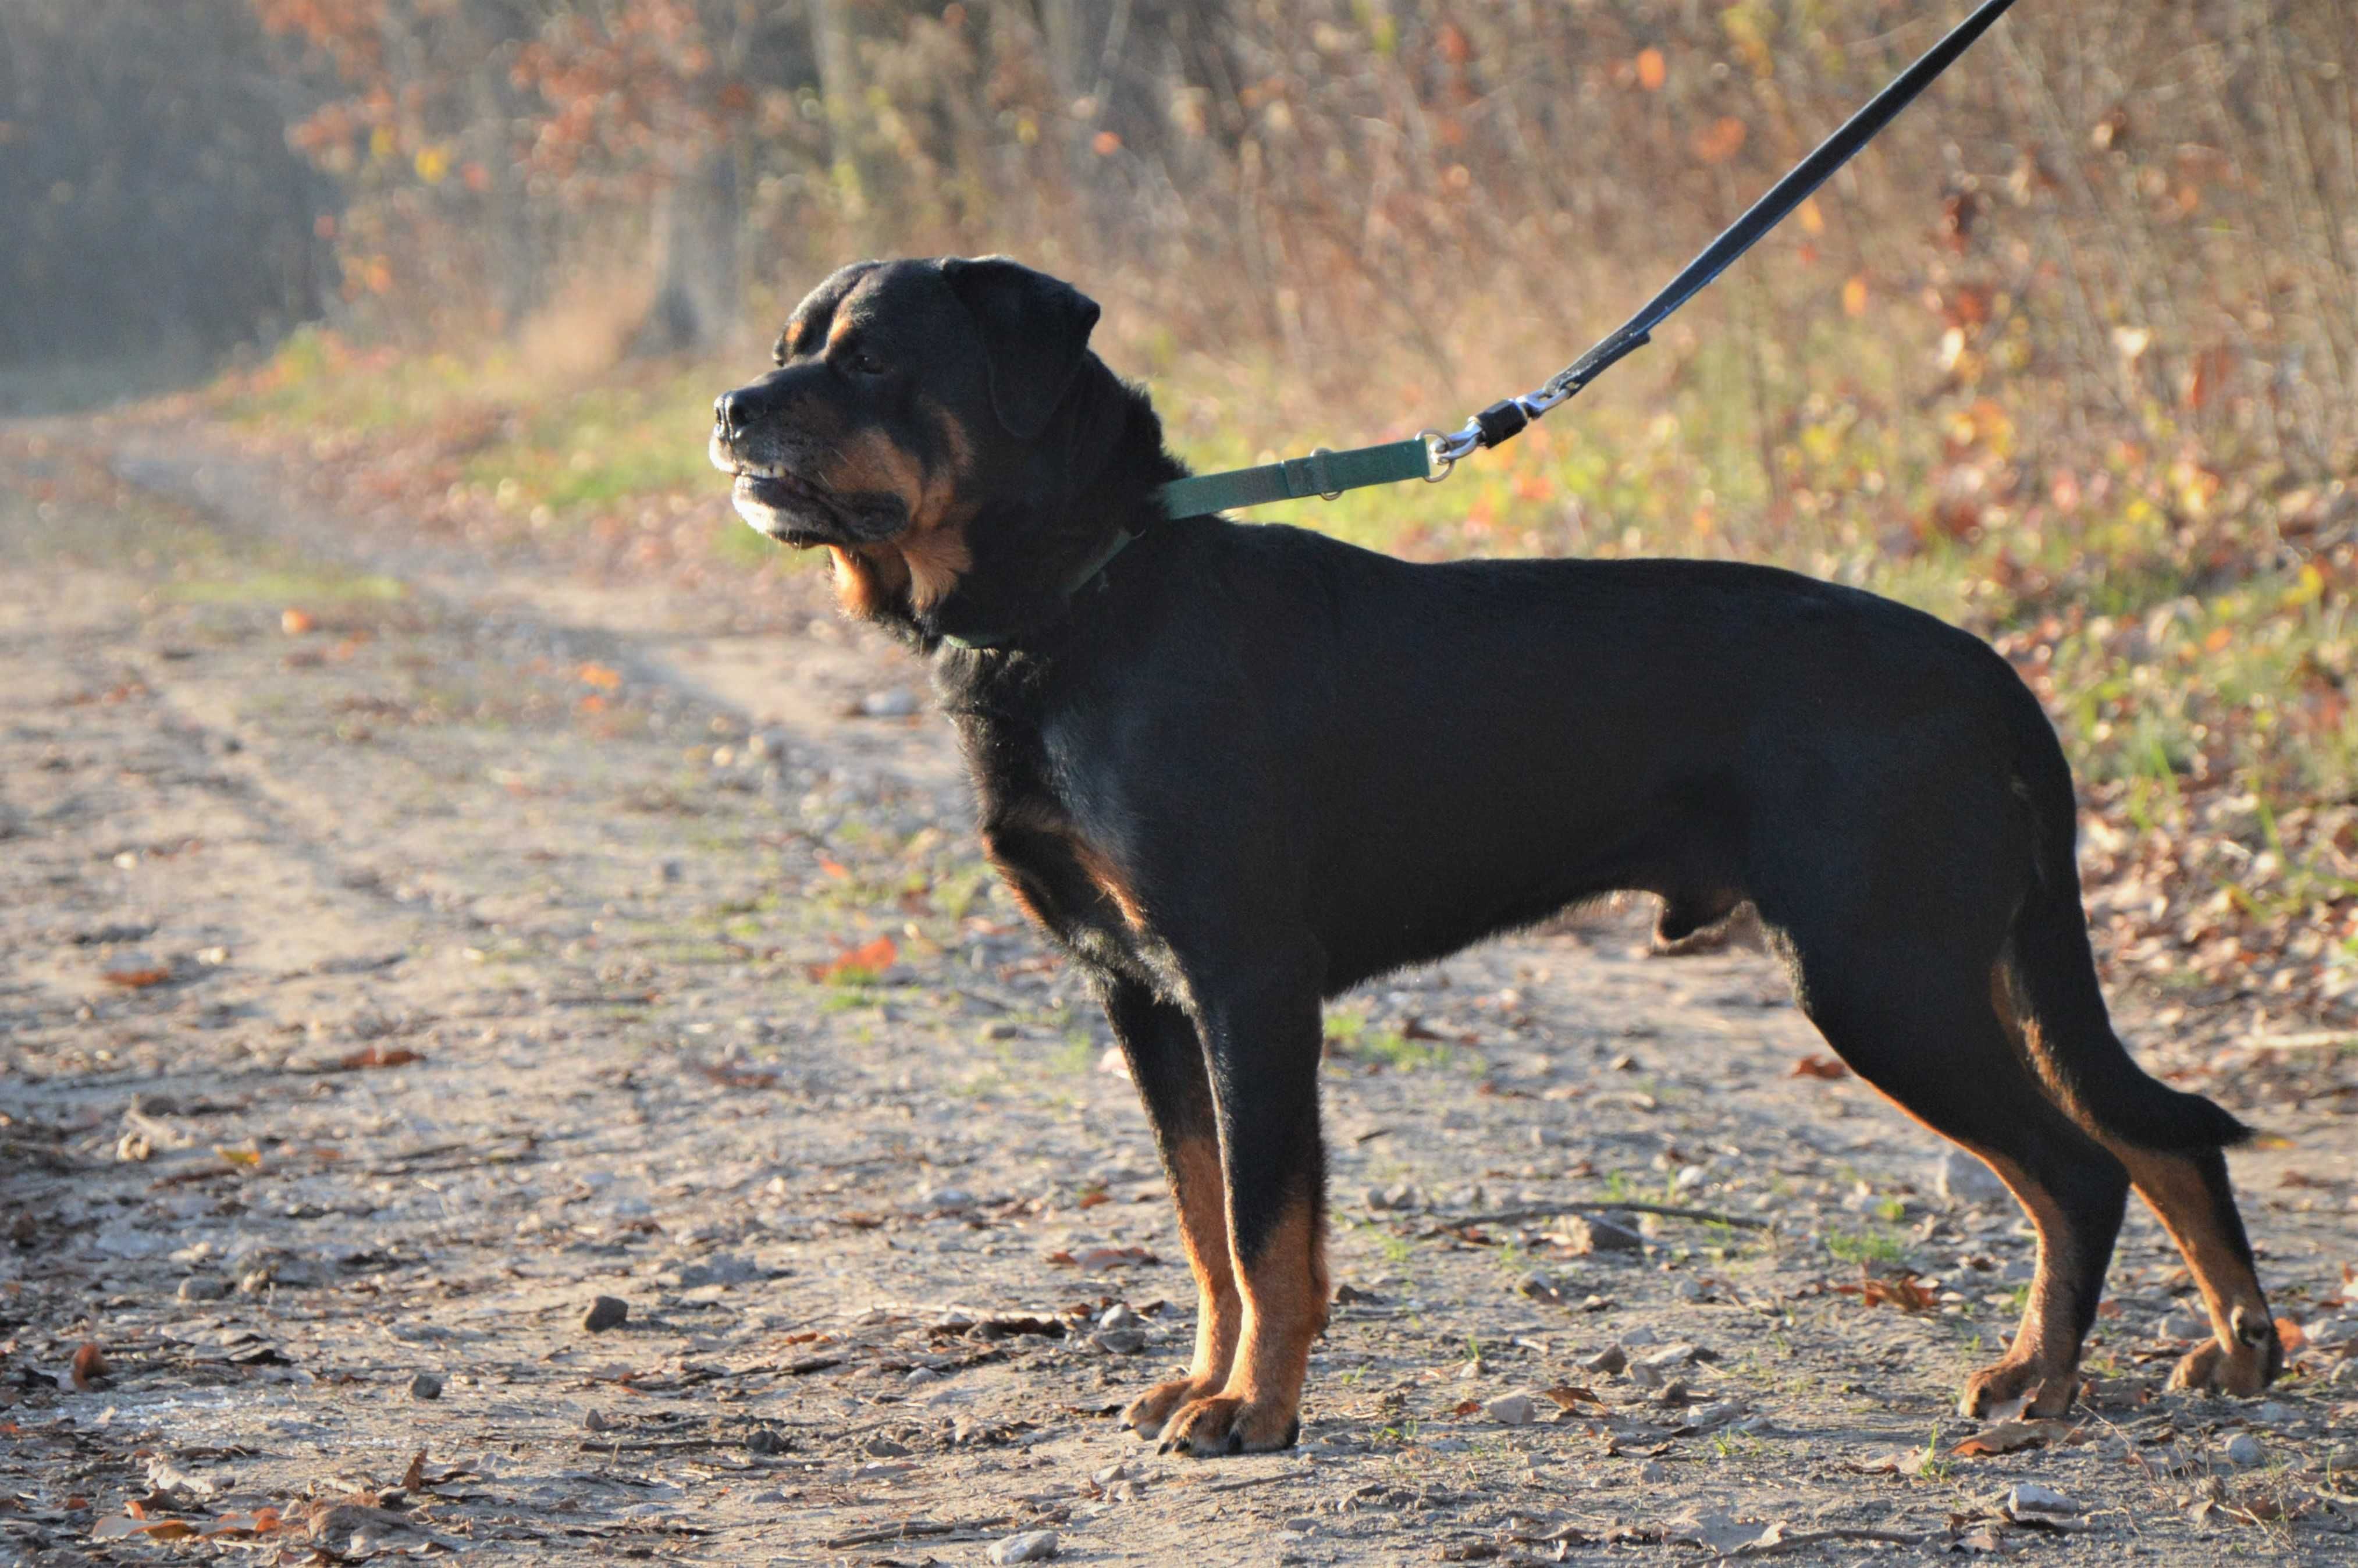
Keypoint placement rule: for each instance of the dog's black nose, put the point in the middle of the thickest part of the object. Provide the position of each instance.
(724, 414)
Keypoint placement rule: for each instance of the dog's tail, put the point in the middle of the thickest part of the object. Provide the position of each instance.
(2058, 1006)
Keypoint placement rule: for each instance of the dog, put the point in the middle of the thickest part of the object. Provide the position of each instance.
(1235, 770)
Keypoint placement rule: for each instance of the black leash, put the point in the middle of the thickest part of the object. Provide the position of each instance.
(1431, 455)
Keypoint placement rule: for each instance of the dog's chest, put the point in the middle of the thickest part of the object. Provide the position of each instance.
(1071, 882)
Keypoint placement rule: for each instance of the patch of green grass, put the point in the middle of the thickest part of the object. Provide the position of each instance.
(290, 586)
(1874, 1248)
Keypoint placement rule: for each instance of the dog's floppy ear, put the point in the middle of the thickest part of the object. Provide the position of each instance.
(1034, 328)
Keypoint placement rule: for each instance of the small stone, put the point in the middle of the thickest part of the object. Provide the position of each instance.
(877, 1447)
(1119, 1341)
(425, 1386)
(1676, 1356)
(1591, 1236)
(2030, 1502)
(1609, 1361)
(2271, 1412)
(1118, 1315)
(1539, 1288)
(1512, 1409)
(1653, 1470)
(1961, 1178)
(765, 1439)
(2245, 1450)
(595, 1421)
(605, 1313)
(202, 1288)
(899, 702)
(1640, 1336)
(949, 1198)
(2183, 1325)
(1032, 1546)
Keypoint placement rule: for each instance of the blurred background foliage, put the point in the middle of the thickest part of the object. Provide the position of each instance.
(2069, 356)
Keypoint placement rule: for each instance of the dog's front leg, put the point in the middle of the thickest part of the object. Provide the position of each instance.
(1264, 1047)
(1166, 1062)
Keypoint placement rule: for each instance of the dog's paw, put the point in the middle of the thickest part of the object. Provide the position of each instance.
(1150, 1411)
(1206, 1428)
(2034, 1390)
(2243, 1370)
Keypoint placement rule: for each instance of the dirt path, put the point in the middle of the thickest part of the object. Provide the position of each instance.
(400, 949)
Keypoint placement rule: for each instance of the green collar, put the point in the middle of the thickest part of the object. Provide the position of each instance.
(1322, 472)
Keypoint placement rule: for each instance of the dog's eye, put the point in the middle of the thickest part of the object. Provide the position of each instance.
(862, 363)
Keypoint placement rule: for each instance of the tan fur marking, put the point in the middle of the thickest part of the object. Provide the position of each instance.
(2173, 1188)
(1100, 867)
(935, 562)
(1014, 884)
(868, 579)
(2045, 1344)
(2172, 1185)
(1200, 1193)
(1285, 1293)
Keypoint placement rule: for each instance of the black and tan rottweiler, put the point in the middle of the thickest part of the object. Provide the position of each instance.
(1234, 770)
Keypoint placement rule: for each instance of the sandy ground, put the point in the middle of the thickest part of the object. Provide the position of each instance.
(400, 949)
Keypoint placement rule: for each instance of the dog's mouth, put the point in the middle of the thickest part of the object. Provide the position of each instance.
(794, 511)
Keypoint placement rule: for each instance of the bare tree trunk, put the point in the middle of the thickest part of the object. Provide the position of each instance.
(699, 275)
(839, 90)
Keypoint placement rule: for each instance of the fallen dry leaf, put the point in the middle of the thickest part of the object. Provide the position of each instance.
(1567, 1395)
(294, 622)
(379, 1056)
(2291, 1334)
(120, 1526)
(869, 959)
(2005, 1437)
(89, 1364)
(1820, 1065)
(137, 980)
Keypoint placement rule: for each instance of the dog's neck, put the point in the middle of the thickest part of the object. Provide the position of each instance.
(1102, 459)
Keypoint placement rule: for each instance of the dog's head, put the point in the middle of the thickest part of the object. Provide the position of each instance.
(908, 396)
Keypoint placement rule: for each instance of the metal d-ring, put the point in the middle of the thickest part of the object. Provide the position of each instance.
(1435, 453)
(1318, 456)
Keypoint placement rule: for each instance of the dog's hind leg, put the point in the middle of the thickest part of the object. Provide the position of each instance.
(1907, 1023)
(1166, 1062)
(1263, 1043)
(2186, 1188)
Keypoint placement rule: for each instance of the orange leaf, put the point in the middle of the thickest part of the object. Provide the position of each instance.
(2291, 1335)
(1652, 72)
(294, 622)
(604, 677)
(869, 957)
(1465, 1407)
(1819, 1066)
(1853, 296)
(1901, 1291)
(1720, 140)
(89, 1362)
(137, 980)
(835, 868)
(380, 1056)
